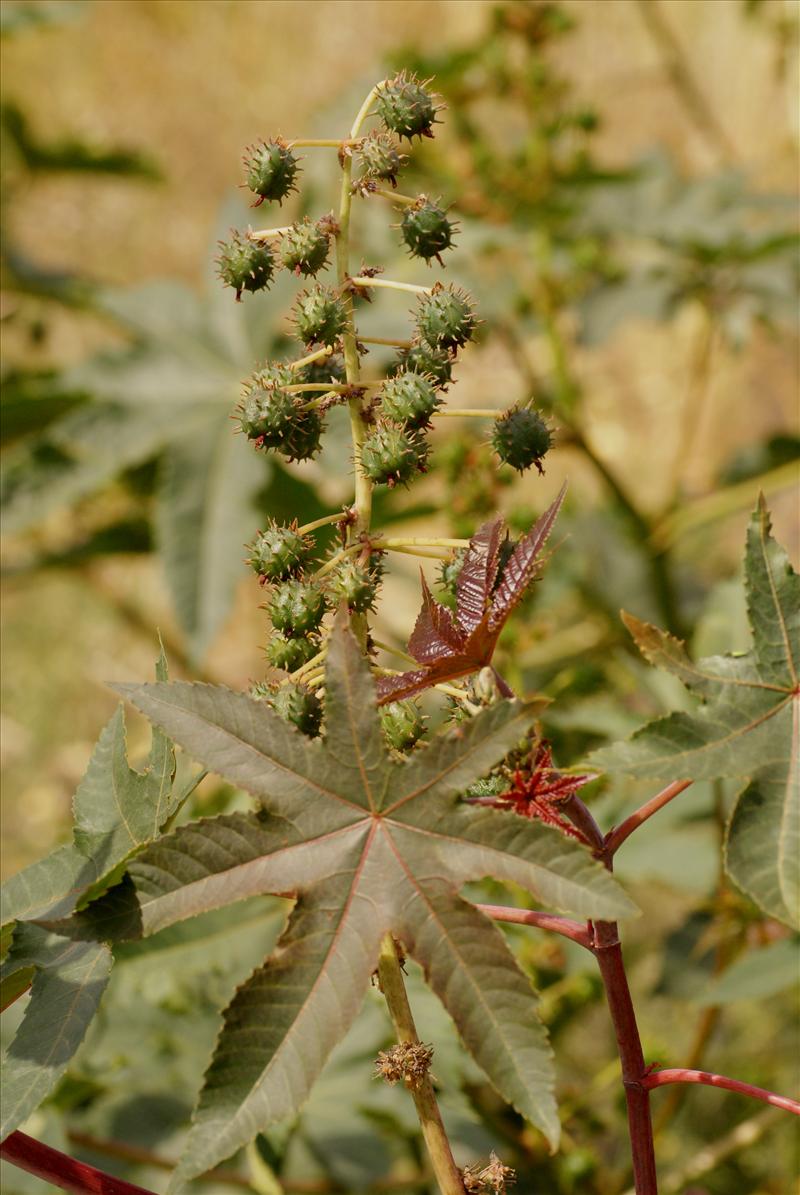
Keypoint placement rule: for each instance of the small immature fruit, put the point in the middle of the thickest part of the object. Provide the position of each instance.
(446, 318)
(319, 315)
(267, 411)
(304, 248)
(244, 265)
(353, 584)
(291, 654)
(521, 438)
(427, 359)
(297, 608)
(302, 439)
(405, 107)
(409, 398)
(298, 705)
(390, 455)
(279, 552)
(426, 230)
(403, 724)
(381, 157)
(271, 171)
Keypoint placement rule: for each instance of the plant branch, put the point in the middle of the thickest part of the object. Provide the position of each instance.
(423, 542)
(390, 975)
(266, 234)
(389, 284)
(325, 521)
(709, 1079)
(618, 834)
(560, 925)
(387, 340)
(467, 413)
(393, 196)
(61, 1170)
(608, 952)
(310, 358)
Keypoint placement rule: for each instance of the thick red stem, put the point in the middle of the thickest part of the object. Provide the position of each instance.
(616, 836)
(682, 1075)
(560, 925)
(61, 1170)
(608, 953)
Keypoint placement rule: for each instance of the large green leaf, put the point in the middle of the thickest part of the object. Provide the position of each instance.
(169, 394)
(748, 726)
(368, 844)
(69, 979)
(206, 511)
(116, 810)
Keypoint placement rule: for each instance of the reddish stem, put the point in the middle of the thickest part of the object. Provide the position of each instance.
(617, 835)
(682, 1075)
(61, 1170)
(581, 818)
(560, 925)
(608, 953)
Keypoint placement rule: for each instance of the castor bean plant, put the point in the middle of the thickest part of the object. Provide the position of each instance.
(366, 819)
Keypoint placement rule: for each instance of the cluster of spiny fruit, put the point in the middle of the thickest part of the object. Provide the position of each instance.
(299, 600)
(278, 411)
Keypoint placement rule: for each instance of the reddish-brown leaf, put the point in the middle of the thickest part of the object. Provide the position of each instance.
(523, 564)
(478, 575)
(448, 649)
(435, 635)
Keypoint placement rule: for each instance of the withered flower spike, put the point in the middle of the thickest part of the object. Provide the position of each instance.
(407, 1062)
(496, 1176)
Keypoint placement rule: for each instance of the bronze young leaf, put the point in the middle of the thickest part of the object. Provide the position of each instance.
(448, 647)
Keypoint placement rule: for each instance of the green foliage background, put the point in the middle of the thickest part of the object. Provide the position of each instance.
(659, 247)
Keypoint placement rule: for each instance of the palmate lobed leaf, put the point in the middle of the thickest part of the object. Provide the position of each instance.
(448, 647)
(748, 726)
(116, 811)
(369, 844)
(115, 808)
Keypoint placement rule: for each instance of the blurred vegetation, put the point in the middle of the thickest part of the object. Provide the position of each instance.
(629, 231)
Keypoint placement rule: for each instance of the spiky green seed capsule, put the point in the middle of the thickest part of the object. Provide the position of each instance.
(296, 608)
(271, 171)
(446, 318)
(405, 107)
(391, 456)
(302, 440)
(298, 705)
(354, 585)
(244, 265)
(304, 248)
(521, 438)
(279, 552)
(403, 724)
(267, 412)
(426, 230)
(410, 399)
(435, 363)
(319, 316)
(381, 158)
(291, 654)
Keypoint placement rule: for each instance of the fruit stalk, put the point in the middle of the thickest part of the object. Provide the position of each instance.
(390, 976)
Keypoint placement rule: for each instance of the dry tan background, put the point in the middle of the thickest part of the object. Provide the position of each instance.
(193, 82)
